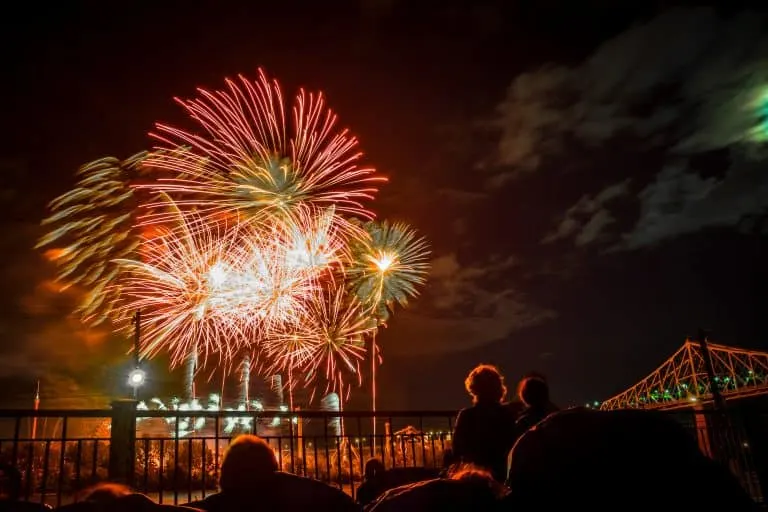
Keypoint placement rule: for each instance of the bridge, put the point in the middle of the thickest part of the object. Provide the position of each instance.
(682, 380)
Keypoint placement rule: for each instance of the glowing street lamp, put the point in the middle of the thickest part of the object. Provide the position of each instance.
(136, 379)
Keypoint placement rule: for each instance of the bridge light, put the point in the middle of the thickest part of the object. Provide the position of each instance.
(693, 399)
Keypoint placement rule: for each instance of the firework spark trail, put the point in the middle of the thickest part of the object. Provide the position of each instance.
(90, 226)
(252, 162)
(314, 240)
(276, 292)
(181, 285)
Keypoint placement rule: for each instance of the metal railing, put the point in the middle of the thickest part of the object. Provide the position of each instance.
(175, 456)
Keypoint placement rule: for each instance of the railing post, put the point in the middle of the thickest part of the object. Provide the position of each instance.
(122, 442)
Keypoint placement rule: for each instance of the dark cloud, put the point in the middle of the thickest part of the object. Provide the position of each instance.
(588, 218)
(678, 202)
(685, 84)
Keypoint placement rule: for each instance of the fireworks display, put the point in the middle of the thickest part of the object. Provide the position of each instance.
(251, 235)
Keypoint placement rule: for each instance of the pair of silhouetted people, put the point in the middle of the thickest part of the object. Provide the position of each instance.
(486, 432)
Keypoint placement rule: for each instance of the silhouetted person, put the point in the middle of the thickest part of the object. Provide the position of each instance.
(533, 392)
(581, 459)
(484, 433)
(114, 497)
(378, 479)
(250, 480)
(466, 489)
(10, 483)
(10, 492)
(370, 489)
(106, 492)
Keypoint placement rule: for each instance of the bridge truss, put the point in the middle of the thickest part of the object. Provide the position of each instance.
(682, 380)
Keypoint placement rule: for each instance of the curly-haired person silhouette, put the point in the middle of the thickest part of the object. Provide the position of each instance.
(484, 433)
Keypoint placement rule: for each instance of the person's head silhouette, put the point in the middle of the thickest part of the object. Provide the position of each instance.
(373, 467)
(248, 459)
(486, 384)
(533, 391)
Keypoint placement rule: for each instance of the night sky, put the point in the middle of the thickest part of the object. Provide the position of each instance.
(592, 180)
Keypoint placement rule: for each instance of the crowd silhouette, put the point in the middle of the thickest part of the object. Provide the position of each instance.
(521, 455)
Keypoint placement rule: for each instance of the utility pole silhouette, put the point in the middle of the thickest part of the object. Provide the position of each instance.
(137, 337)
(714, 385)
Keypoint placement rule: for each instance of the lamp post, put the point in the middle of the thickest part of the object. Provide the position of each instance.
(137, 377)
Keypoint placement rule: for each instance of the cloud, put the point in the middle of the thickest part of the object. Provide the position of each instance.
(526, 119)
(680, 202)
(687, 80)
(586, 220)
(454, 285)
(469, 308)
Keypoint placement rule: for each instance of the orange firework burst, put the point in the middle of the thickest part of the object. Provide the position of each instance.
(254, 162)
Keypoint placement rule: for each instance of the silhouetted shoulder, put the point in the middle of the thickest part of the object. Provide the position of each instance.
(132, 502)
(569, 451)
(466, 412)
(436, 494)
(314, 493)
